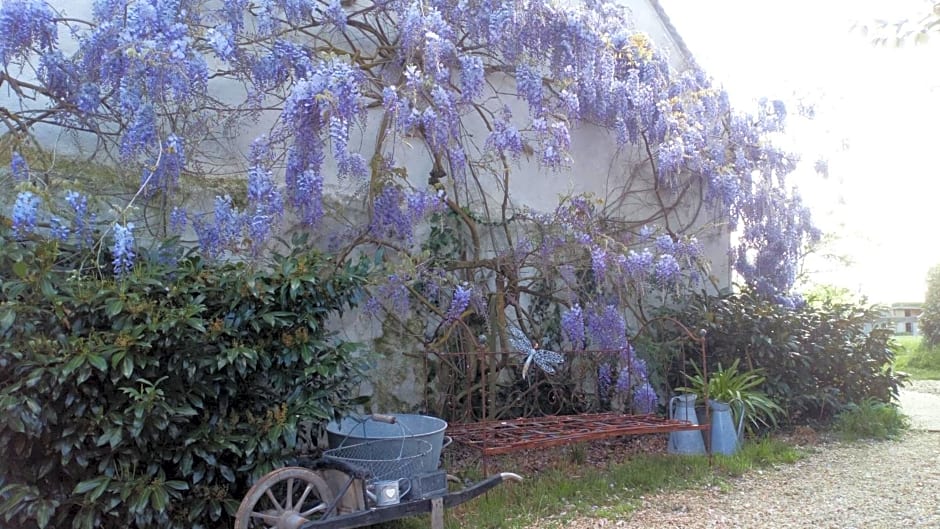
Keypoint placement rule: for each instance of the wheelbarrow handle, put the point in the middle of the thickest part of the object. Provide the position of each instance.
(462, 496)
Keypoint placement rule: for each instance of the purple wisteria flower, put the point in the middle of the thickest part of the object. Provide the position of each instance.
(222, 41)
(505, 138)
(645, 399)
(667, 270)
(336, 14)
(607, 328)
(572, 325)
(25, 213)
(638, 265)
(141, 133)
(624, 380)
(59, 229)
(458, 303)
(25, 24)
(392, 296)
(605, 380)
(529, 86)
(265, 207)
(471, 77)
(395, 212)
(123, 248)
(665, 244)
(599, 263)
(18, 168)
(89, 98)
(178, 220)
(82, 219)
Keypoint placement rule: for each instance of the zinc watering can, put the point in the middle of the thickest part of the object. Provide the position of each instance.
(682, 408)
(726, 438)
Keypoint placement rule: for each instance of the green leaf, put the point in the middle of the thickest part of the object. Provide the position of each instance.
(177, 485)
(113, 307)
(47, 288)
(20, 269)
(72, 365)
(7, 318)
(98, 362)
(127, 368)
(44, 512)
(99, 490)
(88, 485)
(227, 473)
(159, 498)
(116, 358)
(140, 502)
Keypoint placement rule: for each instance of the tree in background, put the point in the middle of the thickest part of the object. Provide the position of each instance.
(930, 318)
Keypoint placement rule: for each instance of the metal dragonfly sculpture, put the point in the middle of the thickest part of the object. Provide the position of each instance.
(546, 360)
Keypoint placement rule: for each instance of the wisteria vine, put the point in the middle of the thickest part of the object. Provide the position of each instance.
(362, 94)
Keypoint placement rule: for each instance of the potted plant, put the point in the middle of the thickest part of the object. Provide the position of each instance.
(728, 386)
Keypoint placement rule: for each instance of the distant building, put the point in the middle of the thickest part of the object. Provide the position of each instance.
(903, 317)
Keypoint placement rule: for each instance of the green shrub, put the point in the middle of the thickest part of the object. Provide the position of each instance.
(816, 357)
(153, 401)
(925, 357)
(871, 419)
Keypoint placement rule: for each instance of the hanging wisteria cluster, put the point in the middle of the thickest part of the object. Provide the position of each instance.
(358, 89)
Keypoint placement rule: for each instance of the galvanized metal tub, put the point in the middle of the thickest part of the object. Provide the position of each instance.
(356, 430)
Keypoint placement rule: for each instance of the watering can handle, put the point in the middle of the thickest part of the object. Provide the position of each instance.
(380, 417)
(672, 412)
(740, 429)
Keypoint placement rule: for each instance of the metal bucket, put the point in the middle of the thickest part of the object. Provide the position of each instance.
(356, 430)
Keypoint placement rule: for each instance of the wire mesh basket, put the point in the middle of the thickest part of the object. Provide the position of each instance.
(385, 458)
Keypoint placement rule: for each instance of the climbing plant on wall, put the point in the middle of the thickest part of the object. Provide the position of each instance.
(424, 113)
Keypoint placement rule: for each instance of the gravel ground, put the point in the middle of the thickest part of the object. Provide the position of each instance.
(892, 485)
(867, 485)
(924, 386)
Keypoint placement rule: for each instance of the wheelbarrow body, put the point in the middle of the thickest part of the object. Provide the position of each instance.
(330, 494)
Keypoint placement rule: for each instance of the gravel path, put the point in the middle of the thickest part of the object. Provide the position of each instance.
(868, 485)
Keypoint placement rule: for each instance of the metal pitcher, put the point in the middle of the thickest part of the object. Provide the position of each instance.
(726, 439)
(682, 408)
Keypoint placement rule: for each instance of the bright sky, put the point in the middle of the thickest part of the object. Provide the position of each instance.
(881, 199)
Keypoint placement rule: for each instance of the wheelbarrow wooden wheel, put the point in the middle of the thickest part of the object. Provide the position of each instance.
(286, 498)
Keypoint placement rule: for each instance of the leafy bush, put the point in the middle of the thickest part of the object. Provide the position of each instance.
(816, 357)
(925, 357)
(154, 400)
(871, 419)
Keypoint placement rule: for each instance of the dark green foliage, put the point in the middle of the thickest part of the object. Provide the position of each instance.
(154, 401)
(816, 358)
(871, 419)
(930, 319)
